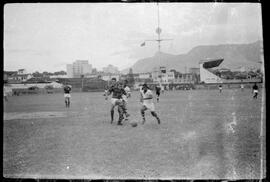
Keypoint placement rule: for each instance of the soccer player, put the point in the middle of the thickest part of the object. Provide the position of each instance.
(117, 91)
(5, 94)
(220, 88)
(67, 90)
(157, 88)
(147, 103)
(242, 87)
(125, 98)
(255, 91)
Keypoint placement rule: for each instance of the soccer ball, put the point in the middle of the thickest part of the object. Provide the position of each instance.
(134, 124)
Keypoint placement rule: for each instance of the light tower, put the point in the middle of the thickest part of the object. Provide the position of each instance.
(158, 40)
(158, 31)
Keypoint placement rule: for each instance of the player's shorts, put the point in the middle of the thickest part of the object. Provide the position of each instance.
(116, 101)
(255, 91)
(125, 99)
(149, 106)
(158, 93)
(67, 95)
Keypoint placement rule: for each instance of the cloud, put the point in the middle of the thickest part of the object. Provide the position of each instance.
(106, 33)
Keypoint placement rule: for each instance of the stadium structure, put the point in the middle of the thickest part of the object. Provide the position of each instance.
(206, 75)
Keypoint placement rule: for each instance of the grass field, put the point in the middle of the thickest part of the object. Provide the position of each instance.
(204, 134)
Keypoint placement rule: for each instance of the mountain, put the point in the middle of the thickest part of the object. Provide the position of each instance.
(235, 55)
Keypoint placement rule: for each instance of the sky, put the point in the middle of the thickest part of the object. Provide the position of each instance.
(47, 36)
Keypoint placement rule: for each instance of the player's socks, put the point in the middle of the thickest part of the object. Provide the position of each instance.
(143, 117)
(143, 121)
(112, 113)
(158, 120)
(155, 115)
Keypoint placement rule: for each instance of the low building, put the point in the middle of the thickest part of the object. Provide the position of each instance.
(58, 76)
(16, 76)
(160, 74)
(206, 75)
(108, 77)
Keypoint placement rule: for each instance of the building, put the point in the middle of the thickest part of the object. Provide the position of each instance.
(108, 77)
(160, 74)
(206, 75)
(58, 76)
(111, 69)
(78, 69)
(186, 78)
(195, 71)
(21, 72)
(16, 76)
(144, 76)
(239, 69)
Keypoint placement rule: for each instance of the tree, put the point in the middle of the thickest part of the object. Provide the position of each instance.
(37, 74)
(59, 73)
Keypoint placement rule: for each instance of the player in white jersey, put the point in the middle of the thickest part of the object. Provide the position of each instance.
(147, 103)
(125, 99)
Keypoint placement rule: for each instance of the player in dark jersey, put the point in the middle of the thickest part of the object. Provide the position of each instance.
(117, 92)
(220, 88)
(67, 90)
(158, 92)
(255, 91)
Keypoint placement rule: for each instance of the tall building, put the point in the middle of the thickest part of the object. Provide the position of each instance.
(78, 69)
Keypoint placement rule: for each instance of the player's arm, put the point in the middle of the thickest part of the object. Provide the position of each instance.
(128, 93)
(141, 98)
(108, 93)
(124, 92)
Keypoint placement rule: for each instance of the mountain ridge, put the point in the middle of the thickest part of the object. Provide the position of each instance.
(235, 55)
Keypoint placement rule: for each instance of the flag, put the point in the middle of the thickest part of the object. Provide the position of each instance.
(143, 44)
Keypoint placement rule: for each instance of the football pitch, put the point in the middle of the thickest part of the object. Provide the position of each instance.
(203, 134)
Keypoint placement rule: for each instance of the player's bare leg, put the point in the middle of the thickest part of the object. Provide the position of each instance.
(125, 110)
(156, 116)
(66, 102)
(255, 95)
(143, 109)
(121, 114)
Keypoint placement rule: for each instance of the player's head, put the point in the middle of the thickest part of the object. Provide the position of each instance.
(120, 85)
(125, 82)
(113, 81)
(144, 86)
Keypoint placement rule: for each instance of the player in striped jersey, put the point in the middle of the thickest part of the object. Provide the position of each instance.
(116, 100)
